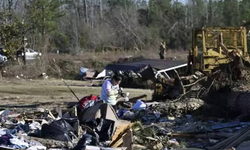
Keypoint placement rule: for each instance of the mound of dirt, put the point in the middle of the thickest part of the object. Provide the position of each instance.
(231, 95)
(177, 108)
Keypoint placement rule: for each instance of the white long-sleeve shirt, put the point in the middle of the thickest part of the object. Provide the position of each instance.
(107, 92)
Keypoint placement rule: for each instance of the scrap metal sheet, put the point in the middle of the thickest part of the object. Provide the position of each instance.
(138, 65)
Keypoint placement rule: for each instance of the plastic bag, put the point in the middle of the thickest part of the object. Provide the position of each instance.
(83, 71)
(103, 127)
(139, 105)
(5, 139)
(59, 130)
(85, 140)
(87, 101)
(73, 122)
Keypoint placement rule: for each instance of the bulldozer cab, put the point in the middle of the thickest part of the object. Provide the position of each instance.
(214, 46)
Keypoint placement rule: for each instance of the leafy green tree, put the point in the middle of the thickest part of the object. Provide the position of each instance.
(245, 10)
(215, 13)
(43, 20)
(43, 15)
(11, 31)
(169, 19)
(231, 13)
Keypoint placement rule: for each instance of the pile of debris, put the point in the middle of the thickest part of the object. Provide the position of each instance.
(95, 125)
(184, 122)
(214, 122)
(162, 130)
(89, 125)
(27, 130)
(74, 129)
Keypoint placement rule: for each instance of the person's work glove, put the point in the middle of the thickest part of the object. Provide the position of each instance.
(126, 97)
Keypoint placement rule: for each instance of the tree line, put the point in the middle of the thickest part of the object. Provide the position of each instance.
(74, 26)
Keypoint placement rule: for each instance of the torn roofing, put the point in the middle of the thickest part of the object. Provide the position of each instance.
(138, 65)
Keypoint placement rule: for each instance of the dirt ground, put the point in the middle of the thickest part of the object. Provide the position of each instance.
(49, 93)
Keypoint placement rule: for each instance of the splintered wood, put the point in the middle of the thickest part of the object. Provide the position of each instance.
(123, 136)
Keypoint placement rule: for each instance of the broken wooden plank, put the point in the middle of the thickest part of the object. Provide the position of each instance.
(229, 140)
(229, 125)
(226, 125)
(214, 135)
(128, 139)
(137, 146)
(183, 135)
(117, 138)
(195, 135)
(51, 115)
(118, 142)
(239, 139)
(120, 130)
(38, 120)
(191, 84)
(180, 82)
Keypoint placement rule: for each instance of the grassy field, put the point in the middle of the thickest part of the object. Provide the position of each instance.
(15, 91)
(52, 92)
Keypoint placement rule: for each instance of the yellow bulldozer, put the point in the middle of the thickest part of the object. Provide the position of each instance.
(213, 47)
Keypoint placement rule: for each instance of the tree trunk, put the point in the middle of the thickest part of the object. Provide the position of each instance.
(86, 11)
(100, 3)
